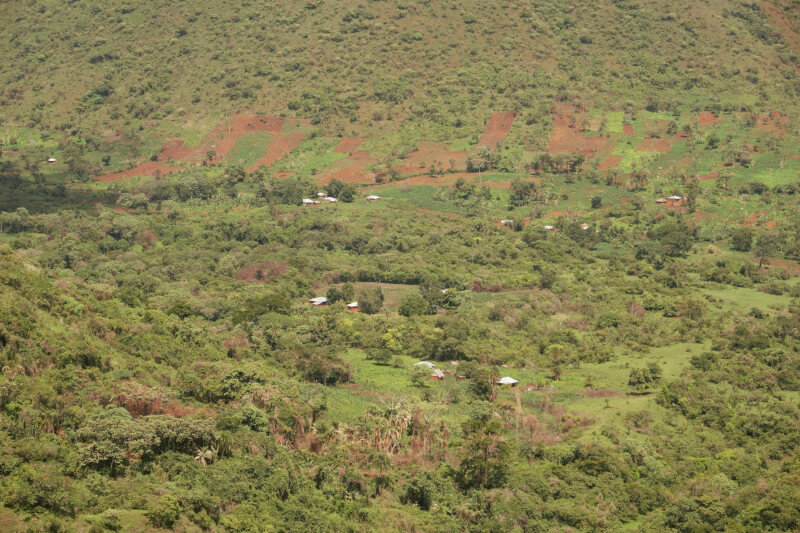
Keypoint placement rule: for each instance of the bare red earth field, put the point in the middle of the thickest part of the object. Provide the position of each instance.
(496, 129)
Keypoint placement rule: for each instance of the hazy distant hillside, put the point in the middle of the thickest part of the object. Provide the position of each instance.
(369, 66)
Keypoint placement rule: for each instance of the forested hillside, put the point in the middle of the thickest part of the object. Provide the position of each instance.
(399, 266)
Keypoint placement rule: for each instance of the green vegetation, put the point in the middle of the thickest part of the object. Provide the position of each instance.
(162, 365)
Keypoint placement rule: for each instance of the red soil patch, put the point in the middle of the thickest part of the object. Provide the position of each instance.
(352, 169)
(278, 148)
(496, 129)
(794, 156)
(148, 168)
(774, 123)
(262, 271)
(655, 145)
(176, 151)
(752, 220)
(790, 266)
(772, 224)
(430, 154)
(627, 129)
(706, 118)
(611, 161)
(221, 140)
(567, 137)
(285, 174)
(708, 177)
(348, 145)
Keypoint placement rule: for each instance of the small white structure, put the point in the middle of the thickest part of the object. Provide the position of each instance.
(425, 363)
(330, 199)
(550, 228)
(506, 222)
(584, 226)
(507, 381)
(436, 374)
(372, 198)
(308, 201)
(52, 160)
(675, 198)
(352, 305)
(319, 300)
(321, 195)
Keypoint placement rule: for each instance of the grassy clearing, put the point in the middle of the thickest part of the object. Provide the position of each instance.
(310, 157)
(249, 148)
(746, 298)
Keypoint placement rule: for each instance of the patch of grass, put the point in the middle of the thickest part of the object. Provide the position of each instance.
(249, 148)
(312, 155)
(746, 298)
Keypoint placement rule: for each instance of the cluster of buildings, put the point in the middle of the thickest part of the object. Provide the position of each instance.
(438, 374)
(671, 200)
(321, 301)
(324, 198)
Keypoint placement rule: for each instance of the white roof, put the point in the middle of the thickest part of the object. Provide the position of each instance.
(506, 221)
(321, 195)
(351, 305)
(373, 197)
(52, 160)
(425, 363)
(549, 227)
(507, 381)
(308, 201)
(319, 300)
(675, 198)
(438, 373)
(584, 226)
(330, 199)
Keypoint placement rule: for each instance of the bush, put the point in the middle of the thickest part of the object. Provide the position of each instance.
(414, 305)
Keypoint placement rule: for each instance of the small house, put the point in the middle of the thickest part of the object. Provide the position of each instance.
(372, 198)
(551, 229)
(308, 201)
(507, 382)
(321, 195)
(318, 301)
(353, 306)
(425, 363)
(584, 227)
(436, 374)
(330, 199)
(51, 160)
(506, 222)
(674, 200)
